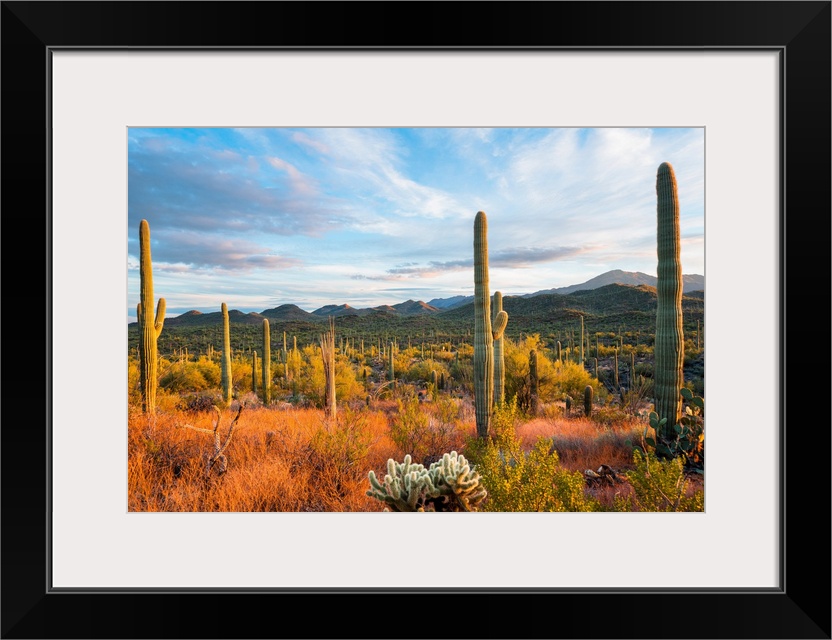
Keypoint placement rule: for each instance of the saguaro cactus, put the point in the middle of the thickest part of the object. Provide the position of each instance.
(534, 383)
(669, 349)
(266, 367)
(582, 340)
(499, 353)
(225, 365)
(483, 333)
(149, 329)
(328, 354)
(588, 400)
(254, 372)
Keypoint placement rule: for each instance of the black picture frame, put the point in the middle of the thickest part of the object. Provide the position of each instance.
(800, 608)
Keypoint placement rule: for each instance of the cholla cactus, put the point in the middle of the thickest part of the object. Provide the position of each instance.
(405, 487)
(456, 478)
(449, 484)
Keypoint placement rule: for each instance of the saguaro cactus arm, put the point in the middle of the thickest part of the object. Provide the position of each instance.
(498, 326)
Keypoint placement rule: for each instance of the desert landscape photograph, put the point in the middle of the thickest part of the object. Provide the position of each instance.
(416, 320)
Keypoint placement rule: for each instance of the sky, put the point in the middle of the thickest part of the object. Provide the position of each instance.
(258, 217)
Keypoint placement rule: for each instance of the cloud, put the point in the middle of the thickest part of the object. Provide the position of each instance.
(180, 251)
(186, 184)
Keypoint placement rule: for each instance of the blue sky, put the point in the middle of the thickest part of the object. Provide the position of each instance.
(257, 217)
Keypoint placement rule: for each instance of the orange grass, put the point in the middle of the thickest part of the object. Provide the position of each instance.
(294, 460)
(584, 444)
(290, 460)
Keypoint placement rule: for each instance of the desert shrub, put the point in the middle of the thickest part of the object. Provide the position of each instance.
(180, 377)
(198, 402)
(462, 372)
(425, 434)
(134, 391)
(517, 480)
(659, 485)
(570, 379)
(241, 375)
(337, 455)
(210, 370)
(311, 381)
(421, 370)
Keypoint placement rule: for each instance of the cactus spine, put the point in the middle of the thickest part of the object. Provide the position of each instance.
(588, 400)
(225, 366)
(669, 349)
(499, 354)
(149, 329)
(266, 367)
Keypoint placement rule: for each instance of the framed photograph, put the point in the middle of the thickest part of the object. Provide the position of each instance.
(114, 108)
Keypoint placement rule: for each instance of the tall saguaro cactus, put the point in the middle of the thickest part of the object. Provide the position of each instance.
(266, 367)
(483, 339)
(484, 333)
(669, 350)
(149, 328)
(225, 363)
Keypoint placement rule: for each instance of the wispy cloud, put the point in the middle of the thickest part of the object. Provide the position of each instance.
(313, 216)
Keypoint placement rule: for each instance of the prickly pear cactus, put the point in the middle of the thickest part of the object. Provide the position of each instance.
(669, 351)
(149, 328)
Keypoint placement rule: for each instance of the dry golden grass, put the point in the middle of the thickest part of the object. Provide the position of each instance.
(292, 460)
(295, 460)
(583, 443)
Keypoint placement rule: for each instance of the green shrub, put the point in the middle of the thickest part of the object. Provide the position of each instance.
(180, 377)
(524, 481)
(659, 485)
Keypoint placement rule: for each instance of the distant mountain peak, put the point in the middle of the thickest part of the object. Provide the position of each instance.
(690, 282)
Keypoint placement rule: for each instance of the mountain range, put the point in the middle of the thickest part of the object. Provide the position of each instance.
(290, 312)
